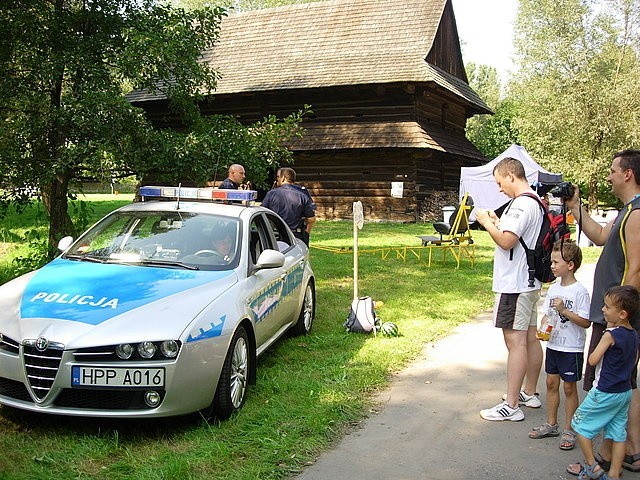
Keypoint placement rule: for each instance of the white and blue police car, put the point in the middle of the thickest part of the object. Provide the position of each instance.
(160, 309)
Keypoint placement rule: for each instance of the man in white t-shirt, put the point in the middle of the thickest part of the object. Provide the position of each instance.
(515, 309)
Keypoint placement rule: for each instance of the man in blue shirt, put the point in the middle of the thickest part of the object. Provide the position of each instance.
(292, 203)
(235, 178)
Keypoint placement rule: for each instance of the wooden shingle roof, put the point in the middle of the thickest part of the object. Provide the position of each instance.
(395, 134)
(330, 43)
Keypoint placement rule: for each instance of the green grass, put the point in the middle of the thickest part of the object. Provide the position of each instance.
(310, 389)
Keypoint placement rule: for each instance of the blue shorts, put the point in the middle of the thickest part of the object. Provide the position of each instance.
(603, 411)
(566, 364)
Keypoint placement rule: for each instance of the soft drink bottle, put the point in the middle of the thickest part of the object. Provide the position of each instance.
(544, 333)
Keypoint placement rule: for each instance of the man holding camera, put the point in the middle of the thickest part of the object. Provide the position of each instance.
(619, 264)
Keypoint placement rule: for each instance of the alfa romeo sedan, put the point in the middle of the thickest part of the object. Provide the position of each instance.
(161, 308)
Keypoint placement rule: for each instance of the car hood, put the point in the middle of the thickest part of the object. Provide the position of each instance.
(71, 302)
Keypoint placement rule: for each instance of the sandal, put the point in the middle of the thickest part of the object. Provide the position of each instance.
(568, 440)
(584, 472)
(576, 468)
(590, 472)
(629, 462)
(543, 431)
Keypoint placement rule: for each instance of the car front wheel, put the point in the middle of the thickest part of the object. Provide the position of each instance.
(231, 392)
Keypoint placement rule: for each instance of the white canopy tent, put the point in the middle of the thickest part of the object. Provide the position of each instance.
(482, 187)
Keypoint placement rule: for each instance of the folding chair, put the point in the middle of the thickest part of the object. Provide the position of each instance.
(454, 237)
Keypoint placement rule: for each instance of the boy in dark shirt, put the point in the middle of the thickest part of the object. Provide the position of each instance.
(606, 406)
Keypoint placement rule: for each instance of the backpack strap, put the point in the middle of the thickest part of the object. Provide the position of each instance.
(531, 262)
(530, 252)
(504, 213)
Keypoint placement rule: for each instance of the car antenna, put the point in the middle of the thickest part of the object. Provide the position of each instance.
(178, 199)
(215, 171)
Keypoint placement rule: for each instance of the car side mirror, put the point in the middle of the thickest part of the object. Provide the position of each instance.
(64, 243)
(270, 259)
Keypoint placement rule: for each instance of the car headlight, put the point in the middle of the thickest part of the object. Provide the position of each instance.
(169, 348)
(147, 349)
(124, 351)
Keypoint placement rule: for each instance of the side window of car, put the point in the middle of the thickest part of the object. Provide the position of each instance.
(260, 239)
(280, 233)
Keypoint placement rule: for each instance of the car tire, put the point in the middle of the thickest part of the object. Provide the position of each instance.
(307, 312)
(231, 392)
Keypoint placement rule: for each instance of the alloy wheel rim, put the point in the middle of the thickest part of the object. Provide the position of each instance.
(308, 308)
(239, 366)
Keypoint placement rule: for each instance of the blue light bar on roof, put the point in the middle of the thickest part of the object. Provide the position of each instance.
(150, 191)
(244, 195)
(190, 193)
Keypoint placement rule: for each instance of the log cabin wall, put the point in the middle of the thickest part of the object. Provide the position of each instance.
(335, 181)
(435, 107)
(338, 178)
(380, 102)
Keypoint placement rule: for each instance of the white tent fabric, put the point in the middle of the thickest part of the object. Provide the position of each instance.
(482, 187)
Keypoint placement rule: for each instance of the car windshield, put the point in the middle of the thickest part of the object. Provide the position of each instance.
(161, 239)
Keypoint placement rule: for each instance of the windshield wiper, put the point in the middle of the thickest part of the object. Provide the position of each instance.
(85, 258)
(167, 263)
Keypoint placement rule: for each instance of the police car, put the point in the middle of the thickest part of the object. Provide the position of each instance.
(161, 308)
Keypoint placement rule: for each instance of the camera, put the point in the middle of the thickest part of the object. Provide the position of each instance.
(563, 190)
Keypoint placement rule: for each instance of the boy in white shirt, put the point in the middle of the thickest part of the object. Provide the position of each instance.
(567, 303)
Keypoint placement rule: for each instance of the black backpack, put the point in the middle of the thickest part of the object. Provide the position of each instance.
(553, 228)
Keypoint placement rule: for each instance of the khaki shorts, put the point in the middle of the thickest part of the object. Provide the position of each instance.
(516, 311)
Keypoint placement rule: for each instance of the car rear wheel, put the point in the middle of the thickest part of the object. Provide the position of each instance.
(234, 378)
(307, 312)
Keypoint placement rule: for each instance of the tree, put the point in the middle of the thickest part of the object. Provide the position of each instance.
(577, 84)
(492, 134)
(64, 67)
(211, 144)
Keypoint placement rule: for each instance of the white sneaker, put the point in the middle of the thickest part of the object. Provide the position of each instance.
(502, 411)
(531, 401)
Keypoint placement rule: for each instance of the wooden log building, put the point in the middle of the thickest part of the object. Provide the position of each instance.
(388, 90)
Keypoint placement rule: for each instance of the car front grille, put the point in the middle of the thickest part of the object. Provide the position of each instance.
(104, 399)
(41, 368)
